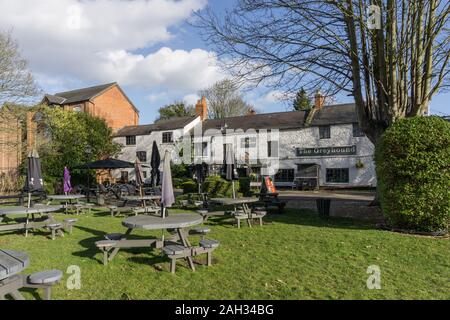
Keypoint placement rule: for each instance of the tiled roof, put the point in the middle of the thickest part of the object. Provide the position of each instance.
(328, 115)
(170, 124)
(84, 94)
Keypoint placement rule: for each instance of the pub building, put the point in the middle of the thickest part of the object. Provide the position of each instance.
(322, 147)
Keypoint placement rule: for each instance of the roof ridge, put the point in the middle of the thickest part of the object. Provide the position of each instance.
(106, 85)
(280, 112)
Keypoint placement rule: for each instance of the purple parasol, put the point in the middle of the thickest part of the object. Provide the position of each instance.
(67, 184)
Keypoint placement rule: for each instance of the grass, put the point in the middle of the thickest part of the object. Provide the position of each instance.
(295, 256)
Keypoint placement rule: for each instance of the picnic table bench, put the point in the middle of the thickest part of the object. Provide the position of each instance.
(178, 222)
(271, 200)
(14, 262)
(31, 222)
(71, 202)
(244, 214)
(145, 200)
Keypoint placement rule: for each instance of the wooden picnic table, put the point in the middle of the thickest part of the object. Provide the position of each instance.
(70, 200)
(143, 199)
(66, 197)
(244, 202)
(12, 263)
(178, 222)
(30, 213)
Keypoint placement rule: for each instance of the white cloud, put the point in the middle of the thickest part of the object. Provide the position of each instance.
(175, 69)
(155, 97)
(191, 99)
(102, 40)
(267, 101)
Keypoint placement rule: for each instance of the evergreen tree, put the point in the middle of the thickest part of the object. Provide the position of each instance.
(302, 102)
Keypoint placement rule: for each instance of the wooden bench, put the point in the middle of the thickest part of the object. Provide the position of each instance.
(175, 252)
(209, 245)
(44, 280)
(68, 224)
(259, 214)
(151, 209)
(56, 229)
(114, 210)
(238, 216)
(202, 231)
(12, 199)
(105, 246)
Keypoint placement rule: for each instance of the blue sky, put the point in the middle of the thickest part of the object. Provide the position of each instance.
(146, 46)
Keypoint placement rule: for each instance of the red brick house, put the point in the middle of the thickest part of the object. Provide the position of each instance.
(106, 101)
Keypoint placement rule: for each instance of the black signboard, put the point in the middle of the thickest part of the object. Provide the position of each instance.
(327, 151)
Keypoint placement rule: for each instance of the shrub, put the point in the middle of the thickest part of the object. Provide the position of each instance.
(11, 182)
(244, 186)
(180, 171)
(413, 169)
(178, 182)
(190, 187)
(219, 187)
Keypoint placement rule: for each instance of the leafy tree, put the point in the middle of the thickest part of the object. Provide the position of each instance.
(224, 100)
(16, 82)
(174, 110)
(392, 61)
(68, 138)
(301, 101)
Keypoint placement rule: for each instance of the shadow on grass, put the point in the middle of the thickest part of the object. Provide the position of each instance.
(92, 250)
(306, 217)
(37, 294)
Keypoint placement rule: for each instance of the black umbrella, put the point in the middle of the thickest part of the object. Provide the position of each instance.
(34, 181)
(200, 172)
(155, 163)
(106, 164)
(230, 167)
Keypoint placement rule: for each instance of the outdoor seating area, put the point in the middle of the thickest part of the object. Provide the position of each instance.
(143, 243)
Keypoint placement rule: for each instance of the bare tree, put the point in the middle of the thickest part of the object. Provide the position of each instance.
(224, 100)
(392, 68)
(16, 82)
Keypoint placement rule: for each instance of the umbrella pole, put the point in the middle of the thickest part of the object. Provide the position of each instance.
(29, 199)
(88, 187)
(234, 192)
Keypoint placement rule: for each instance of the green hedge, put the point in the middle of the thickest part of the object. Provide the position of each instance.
(219, 187)
(413, 170)
(190, 186)
(178, 182)
(244, 184)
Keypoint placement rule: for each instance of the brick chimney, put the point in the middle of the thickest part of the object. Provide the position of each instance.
(319, 100)
(201, 109)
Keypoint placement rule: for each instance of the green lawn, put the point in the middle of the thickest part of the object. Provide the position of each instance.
(294, 256)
